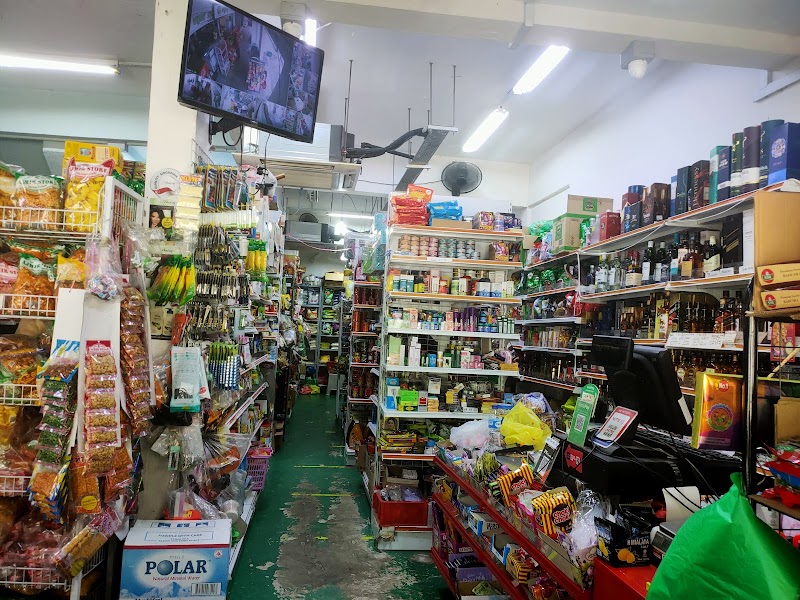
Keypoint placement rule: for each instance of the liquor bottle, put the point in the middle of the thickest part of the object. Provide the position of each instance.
(697, 259)
(590, 276)
(738, 313)
(647, 264)
(675, 259)
(691, 371)
(680, 369)
(614, 273)
(711, 257)
(601, 275)
(660, 264)
(685, 258)
(633, 276)
(712, 365)
(736, 367)
(719, 319)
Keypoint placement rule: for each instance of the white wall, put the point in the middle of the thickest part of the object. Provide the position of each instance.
(320, 262)
(644, 139)
(503, 182)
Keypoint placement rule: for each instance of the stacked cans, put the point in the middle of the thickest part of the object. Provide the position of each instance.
(416, 245)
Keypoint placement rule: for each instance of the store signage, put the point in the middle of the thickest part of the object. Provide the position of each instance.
(165, 183)
(615, 426)
(703, 341)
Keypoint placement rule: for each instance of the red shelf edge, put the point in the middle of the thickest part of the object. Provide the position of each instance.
(443, 571)
(520, 538)
(503, 577)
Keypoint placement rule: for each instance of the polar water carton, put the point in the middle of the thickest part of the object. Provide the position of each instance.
(176, 559)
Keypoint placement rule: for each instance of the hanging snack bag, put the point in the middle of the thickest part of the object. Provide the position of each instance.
(38, 199)
(511, 484)
(554, 511)
(34, 289)
(8, 187)
(717, 419)
(84, 196)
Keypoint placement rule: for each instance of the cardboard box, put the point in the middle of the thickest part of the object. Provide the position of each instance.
(529, 241)
(775, 228)
(451, 223)
(631, 217)
(481, 524)
(588, 205)
(779, 275)
(699, 195)
(780, 299)
(765, 149)
(334, 276)
(629, 198)
(784, 153)
(723, 175)
(660, 194)
(566, 233)
(620, 549)
(502, 544)
(172, 559)
(466, 590)
(787, 419)
(361, 457)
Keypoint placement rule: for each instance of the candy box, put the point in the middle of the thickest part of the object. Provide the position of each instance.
(176, 559)
(481, 524)
(483, 220)
(717, 411)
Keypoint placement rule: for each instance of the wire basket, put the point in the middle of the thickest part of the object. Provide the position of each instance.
(257, 468)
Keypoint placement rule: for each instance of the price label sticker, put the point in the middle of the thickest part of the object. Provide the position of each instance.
(442, 259)
(616, 425)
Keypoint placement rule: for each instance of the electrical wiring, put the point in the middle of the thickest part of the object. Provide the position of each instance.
(294, 239)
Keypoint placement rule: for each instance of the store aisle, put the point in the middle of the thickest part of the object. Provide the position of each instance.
(310, 536)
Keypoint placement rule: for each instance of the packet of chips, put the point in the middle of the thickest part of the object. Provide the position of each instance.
(717, 419)
(511, 484)
(554, 511)
(84, 196)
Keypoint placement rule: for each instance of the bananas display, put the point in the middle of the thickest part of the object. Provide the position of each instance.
(175, 281)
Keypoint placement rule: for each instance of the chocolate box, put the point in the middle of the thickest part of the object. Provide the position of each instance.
(784, 153)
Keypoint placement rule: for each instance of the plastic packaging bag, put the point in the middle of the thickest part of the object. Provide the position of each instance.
(472, 434)
(725, 552)
(522, 427)
(104, 271)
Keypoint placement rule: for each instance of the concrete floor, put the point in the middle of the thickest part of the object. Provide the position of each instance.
(310, 536)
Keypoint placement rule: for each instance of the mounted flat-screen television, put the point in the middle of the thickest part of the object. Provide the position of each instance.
(238, 67)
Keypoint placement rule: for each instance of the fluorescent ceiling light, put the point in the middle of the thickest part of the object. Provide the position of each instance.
(485, 129)
(540, 69)
(310, 36)
(350, 216)
(24, 62)
(340, 228)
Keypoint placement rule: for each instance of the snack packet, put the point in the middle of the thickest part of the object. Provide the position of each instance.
(38, 199)
(84, 196)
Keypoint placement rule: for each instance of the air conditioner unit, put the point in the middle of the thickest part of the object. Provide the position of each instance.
(308, 232)
(317, 165)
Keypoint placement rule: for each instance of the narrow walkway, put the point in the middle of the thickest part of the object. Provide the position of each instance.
(310, 537)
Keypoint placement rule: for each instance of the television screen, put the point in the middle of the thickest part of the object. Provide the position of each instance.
(238, 66)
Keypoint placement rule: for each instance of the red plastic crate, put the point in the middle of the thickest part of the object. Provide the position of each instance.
(399, 514)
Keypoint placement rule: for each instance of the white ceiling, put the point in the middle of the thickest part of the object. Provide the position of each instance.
(391, 67)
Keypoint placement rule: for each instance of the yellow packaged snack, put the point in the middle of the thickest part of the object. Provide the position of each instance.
(84, 196)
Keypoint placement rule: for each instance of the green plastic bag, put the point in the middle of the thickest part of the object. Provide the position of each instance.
(725, 552)
(521, 427)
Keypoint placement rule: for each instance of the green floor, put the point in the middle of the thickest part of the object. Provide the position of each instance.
(310, 536)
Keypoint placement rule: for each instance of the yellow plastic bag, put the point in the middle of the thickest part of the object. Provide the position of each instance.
(521, 427)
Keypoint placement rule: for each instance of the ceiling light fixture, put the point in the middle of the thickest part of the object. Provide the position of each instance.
(27, 62)
(485, 129)
(541, 68)
(350, 216)
(310, 36)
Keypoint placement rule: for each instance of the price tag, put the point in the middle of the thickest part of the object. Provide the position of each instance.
(442, 259)
(701, 341)
(747, 270)
(724, 272)
(616, 425)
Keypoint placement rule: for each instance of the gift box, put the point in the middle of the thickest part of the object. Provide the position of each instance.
(784, 154)
(631, 217)
(623, 545)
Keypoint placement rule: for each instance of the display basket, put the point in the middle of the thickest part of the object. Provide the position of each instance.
(257, 469)
(399, 513)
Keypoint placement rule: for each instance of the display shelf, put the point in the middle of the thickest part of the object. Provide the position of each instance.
(464, 334)
(407, 456)
(359, 400)
(440, 566)
(366, 306)
(623, 294)
(375, 372)
(363, 334)
(255, 362)
(478, 300)
(434, 262)
(26, 306)
(14, 485)
(368, 284)
(373, 428)
(248, 508)
(450, 371)
(547, 349)
(549, 382)
(456, 232)
(519, 537)
(637, 341)
(353, 365)
(19, 394)
(550, 262)
(408, 539)
(776, 505)
(740, 280)
(563, 290)
(436, 414)
(550, 321)
(502, 576)
(365, 483)
(591, 375)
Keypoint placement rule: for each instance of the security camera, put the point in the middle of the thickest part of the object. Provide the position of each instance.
(637, 68)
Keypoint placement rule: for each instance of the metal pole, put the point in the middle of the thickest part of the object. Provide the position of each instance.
(751, 397)
(430, 94)
(347, 100)
(454, 95)
(409, 129)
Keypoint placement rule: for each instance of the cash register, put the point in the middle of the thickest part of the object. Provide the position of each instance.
(652, 453)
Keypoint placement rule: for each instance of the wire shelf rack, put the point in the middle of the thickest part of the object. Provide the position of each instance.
(28, 579)
(13, 485)
(26, 306)
(19, 394)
